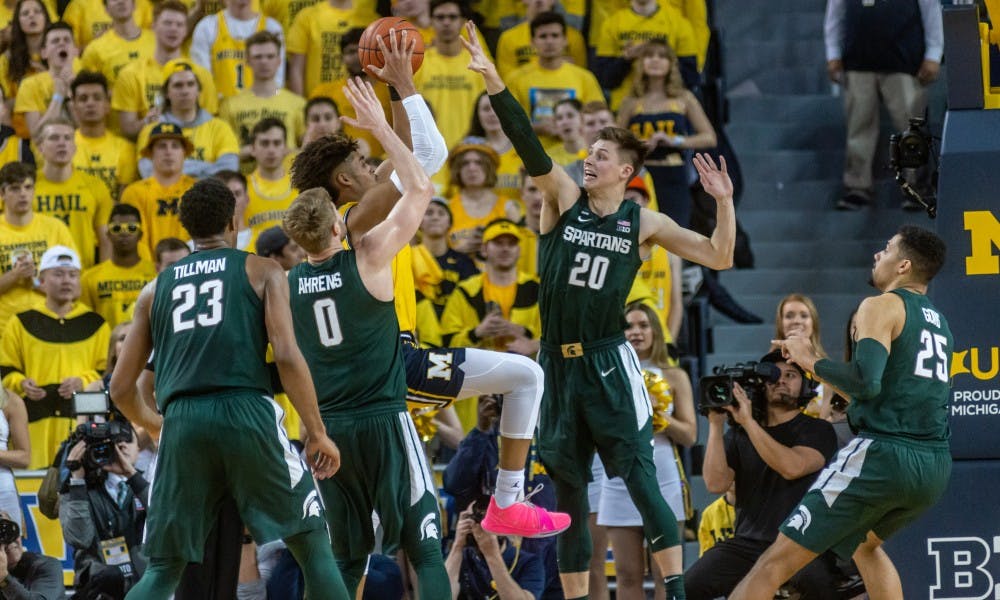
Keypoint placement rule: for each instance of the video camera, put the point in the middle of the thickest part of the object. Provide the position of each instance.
(10, 531)
(717, 389)
(101, 432)
(912, 150)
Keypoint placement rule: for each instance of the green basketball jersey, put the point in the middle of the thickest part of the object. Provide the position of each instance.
(587, 265)
(349, 339)
(208, 328)
(913, 401)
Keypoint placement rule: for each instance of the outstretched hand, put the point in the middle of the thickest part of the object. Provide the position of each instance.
(714, 179)
(398, 68)
(479, 62)
(366, 105)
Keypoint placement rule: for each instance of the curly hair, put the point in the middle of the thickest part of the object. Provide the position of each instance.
(207, 208)
(20, 54)
(315, 164)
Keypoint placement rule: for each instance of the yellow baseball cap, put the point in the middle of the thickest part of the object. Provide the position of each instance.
(501, 227)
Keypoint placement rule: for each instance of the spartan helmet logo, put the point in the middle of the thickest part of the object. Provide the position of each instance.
(429, 527)
(800, 520)
(311, 506)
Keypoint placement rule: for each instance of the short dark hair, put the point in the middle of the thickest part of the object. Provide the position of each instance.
(16, 172)
(316, 101)
(575, 103)
(924, 249)
(207, 208)
(463, 7)
(262, 37)
(225, 176)
(55, 27)
(547, 18)
(353, 36)
(630, 147)
(170, 244)
(124, 210)
(88, 78)
(316, 162)
(267, 124)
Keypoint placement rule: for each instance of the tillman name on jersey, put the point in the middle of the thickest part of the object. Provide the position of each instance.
(201, 267)
(594, 239)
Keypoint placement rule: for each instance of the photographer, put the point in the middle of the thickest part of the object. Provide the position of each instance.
(772, 455)
(483, 565)
(25, 575)
(102, 511)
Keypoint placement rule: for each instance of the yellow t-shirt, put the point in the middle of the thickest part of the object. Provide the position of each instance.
(111, 290)
(158, 206)
(211, 139)
(402, 283)
(229, 68)
(140, 85)
(36, 237)
(561, 156)
(82, 202)
(35, 91)
(599, 13)
(696, 13)
(316, 32)
(656, 273)
(626, 27)
(40, 345)
(267, 202)
(508, 175)
(245, 110)
(14, 149)
(718, 523)
(88, 18)
(110, 158)
(537, 89)
(285, 11)
(464, 225)
(8, 85)
(451, 89)
(111, 53)
(514, 49)
(528, 261)
(335, 91)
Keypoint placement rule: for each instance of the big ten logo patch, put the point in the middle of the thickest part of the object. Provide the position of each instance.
(965, 568)
(984, 239)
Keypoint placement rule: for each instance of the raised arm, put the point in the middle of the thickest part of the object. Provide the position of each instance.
(559, 189)
(377, 248)
(413, 124)
(715, 252)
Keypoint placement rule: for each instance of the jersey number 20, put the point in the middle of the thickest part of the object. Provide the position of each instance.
(588, 271)
(187, 295)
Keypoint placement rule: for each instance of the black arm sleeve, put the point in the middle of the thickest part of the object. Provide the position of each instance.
(518, 129)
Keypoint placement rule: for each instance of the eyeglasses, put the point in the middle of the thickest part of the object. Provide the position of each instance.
(447, 17)
(117, 228)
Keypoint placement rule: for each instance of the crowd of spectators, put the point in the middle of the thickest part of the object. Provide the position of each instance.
(111, 110)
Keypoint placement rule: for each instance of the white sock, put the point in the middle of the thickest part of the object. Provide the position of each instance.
(510, 485)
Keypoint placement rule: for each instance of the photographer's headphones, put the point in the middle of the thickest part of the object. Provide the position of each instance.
(810, 386)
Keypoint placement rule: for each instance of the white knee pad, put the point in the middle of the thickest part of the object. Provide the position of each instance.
(517, 377)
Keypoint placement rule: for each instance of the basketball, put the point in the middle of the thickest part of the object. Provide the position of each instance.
(368, 50)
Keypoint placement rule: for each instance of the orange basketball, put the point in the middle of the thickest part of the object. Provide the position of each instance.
(369, 52)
